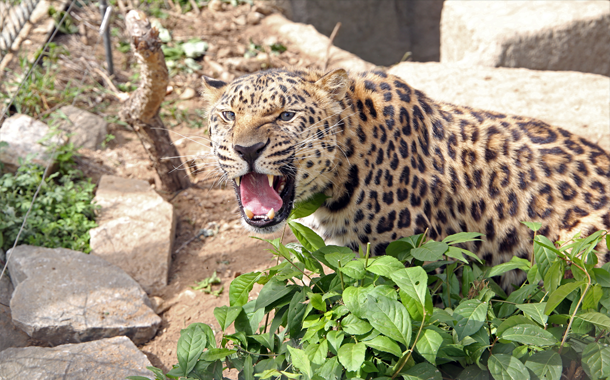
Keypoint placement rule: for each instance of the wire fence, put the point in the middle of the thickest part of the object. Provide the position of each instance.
(5, 111)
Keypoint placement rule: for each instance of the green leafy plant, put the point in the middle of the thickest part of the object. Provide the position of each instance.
(323, 313)
(62, 214)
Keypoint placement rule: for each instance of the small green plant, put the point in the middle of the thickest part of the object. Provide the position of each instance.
(68, 26)
(62, 214)
(408, 314)
(42, 91)
(206, 285)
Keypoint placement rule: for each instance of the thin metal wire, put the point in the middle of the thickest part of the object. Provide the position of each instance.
(27, 77)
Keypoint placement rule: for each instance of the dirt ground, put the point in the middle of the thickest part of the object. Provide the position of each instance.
(230, 32)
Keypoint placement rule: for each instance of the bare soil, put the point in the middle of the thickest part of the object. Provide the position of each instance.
(231, 32)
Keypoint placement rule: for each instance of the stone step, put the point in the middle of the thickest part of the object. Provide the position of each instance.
(539, 35)
(64, 296)
(109, 359)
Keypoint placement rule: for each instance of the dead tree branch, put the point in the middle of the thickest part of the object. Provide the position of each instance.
(141, 110)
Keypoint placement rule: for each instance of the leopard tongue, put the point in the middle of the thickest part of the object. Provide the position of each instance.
(257, 196)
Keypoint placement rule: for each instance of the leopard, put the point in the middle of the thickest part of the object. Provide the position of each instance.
(393, 162)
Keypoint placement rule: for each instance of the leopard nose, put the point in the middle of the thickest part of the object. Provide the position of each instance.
(251, 153)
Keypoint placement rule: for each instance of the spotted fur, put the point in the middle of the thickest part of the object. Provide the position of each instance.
(395, 162)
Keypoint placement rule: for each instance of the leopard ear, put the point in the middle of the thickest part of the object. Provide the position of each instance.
(212, 89)
(335, 83)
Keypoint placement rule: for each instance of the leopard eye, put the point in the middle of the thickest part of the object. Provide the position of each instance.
(228, 115)
(287, 116)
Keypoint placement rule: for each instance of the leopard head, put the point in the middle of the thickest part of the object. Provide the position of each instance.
(274, 136)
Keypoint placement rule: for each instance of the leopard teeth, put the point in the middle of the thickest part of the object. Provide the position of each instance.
(237, 180)
(271, 214)
(270, 177)
(248, 213)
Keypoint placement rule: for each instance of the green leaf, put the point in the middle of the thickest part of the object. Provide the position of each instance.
(355, 326)
(514, 263)
(535, 311)
(558, 295)
(384, 265)
(544, 256)
(422, 371)
(273, 291)
(413, 281)
(354, 299)
(467, 280)
(385, 344)
(553, 276)
(296, 311)
(463, 237)
(190, 346)
(309, 239)
(158, 373)
(547, 365)
(470, 316)
(307, 207)
(513, 321)
(300, 361)
(507, 367)
(351, 355)
(431, 251)
(138, 378)
(473, 372)
(389, 317)
(240, 288)
(340, 258)
(335, 338)
(529, 334)
(354, 269)
(213, 354)
(226, 315)
(534, 226)
(317, 302)
(598, 319)
(602, 276)
(317, 352)
(596, 361)
(428, 345)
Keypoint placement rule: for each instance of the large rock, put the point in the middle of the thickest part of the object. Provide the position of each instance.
(401, 26)
(540, 35)
(86, 129)
(574, 101)
(64, 296)
(312, 43)
(136, 230)
(10, 335)
(24, 137)
(109, 359)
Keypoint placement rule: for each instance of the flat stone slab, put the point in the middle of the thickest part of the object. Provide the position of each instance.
(109, 359)
(64, 296)
(577, 102)
(23, 135)
(136, 230)
(87, 130)
(540, 35)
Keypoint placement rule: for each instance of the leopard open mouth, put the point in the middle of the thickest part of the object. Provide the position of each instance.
(265, 200)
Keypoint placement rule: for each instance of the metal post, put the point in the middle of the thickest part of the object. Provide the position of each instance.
(106, 11)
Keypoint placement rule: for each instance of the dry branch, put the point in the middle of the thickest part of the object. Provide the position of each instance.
(141, 110)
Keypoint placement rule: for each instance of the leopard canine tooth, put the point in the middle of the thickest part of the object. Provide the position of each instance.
(271, 214)
(270, 177)
(248, 213)
(237, 180)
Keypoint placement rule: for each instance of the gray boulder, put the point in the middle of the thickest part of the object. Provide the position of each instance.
(136, 230)
(574, 101)
(109, 359)
(64, 296)
(86, 129)
(539, 35)
(10, 335)
(23, 135)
